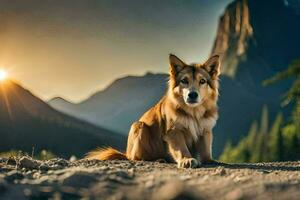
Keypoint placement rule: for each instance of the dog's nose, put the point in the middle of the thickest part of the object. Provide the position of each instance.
(193, 95)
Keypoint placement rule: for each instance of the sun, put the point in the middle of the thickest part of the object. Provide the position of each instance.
(3, 75)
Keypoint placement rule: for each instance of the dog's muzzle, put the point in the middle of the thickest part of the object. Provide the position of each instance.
(192, 97)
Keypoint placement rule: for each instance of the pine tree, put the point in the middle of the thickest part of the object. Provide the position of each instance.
(264, 122)
(252, 134)
(251, 141)
(261, 151)
(275, 143)
(291, 132)
(293, 71)
(226, 155)
(257, 151)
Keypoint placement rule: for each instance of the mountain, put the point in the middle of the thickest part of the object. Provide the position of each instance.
(255, 39)
(120, 104)
(26, 122)
(260, 31)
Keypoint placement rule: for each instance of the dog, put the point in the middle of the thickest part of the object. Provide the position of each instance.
(179, 127)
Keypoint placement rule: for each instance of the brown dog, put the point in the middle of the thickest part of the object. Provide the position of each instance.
(180, 125)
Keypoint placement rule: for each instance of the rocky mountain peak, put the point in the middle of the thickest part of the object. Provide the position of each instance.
(233, 33)
(259, 32)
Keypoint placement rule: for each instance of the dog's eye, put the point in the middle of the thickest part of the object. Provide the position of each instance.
(184, 81)
(202, 81)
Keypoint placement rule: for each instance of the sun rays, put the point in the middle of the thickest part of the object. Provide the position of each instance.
(3, 75)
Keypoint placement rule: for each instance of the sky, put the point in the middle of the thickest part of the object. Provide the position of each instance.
(73, 48)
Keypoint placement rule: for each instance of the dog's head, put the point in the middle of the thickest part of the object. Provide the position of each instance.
(194, 84)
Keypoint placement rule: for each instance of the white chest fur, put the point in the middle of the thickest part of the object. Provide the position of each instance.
(195, 126)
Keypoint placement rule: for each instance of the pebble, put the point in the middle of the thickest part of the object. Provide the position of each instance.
(28, 163)
(44, 167)
(14, 175)
(72, 159)
(220, 171)
(11, 161)
(61, 162)
(176, 190)
(78, 179)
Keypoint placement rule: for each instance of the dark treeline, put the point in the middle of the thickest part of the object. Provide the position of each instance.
(278, 141)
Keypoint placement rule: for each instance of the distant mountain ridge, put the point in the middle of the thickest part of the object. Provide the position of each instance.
(120, 104)
(26, 121)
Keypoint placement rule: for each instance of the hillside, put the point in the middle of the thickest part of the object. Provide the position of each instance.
(26, 122)
(24, 178)
(120, 104)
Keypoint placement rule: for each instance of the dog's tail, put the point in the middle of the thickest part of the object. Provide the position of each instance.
(108, 153)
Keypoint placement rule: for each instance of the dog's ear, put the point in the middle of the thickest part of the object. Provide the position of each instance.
(213, 66)
(176, 65)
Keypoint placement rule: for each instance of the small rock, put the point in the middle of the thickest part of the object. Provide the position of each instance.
(175, 190)
(41, 180)
(14, 175)
(28, 172)
(28, 163)
(44, 167)
(122, 174)
(131, 171)
(36, 175)
(62, 162)
(72, 159)
(3, 160)
(220, 171)
(137, 164)
(50, 171)
(78, 179)
(56, 167)
(11, 161)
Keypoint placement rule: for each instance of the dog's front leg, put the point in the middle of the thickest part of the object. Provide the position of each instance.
(204, 148)
(179, 150)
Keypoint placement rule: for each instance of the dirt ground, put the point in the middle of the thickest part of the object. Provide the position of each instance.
(25, 178)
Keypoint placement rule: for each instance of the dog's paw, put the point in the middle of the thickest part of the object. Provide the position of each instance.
(188, 163)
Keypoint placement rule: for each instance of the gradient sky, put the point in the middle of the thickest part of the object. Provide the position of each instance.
(72, 48)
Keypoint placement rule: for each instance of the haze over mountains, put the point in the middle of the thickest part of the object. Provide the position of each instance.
(120, 104)
(26, 122)
(255, 38)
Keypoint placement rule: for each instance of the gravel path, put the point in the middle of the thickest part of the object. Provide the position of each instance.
(25, 178)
